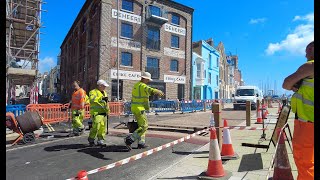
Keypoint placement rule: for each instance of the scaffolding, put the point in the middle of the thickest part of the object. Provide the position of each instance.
(23, 23)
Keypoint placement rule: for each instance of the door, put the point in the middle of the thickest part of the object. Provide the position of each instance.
(114, 89)
(180, 91)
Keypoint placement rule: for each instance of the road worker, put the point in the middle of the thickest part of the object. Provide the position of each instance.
(99, 111)
(302, 104)
(139, 105)
(78, 108)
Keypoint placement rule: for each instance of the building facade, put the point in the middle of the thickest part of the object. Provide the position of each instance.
(154, 36)
(205, 70)
(224, 73)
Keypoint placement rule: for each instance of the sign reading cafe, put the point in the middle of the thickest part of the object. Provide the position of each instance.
(174, 79)
(126, 16)
(130, 75)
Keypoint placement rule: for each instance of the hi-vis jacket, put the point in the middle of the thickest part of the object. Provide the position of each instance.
(78, 97)
(97, 105)
(140, 96)
(302, 102)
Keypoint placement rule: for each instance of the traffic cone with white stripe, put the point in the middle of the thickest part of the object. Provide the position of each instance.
(225, 123)
(82, 175)
(259, 117)
(227, 151)
(282, 168)
(215, 169)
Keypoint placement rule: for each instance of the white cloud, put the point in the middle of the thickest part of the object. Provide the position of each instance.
(258, 20)
(296, 41)
(46, 64)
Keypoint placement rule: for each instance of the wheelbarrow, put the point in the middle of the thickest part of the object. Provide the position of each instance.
(24, 125)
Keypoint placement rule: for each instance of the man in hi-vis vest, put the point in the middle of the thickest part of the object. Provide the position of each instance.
(139, 105)
(302, 104)
(99, 111)
(77, 107)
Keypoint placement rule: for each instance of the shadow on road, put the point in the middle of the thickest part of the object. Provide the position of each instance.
(187, 153)
(95, 151)
(181, 177)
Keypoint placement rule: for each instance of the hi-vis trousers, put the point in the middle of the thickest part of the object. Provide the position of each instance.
(140, 133)
(303, 149)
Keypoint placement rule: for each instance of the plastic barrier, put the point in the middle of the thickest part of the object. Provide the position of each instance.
(116, 108)
(209, 104)
(186, 106)
(164, 106)
(198, 105)
(51, 113)
(17, 109)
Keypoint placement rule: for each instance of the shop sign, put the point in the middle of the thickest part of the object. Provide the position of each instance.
(126, 44)
(175, 29)
(174, 53)
(130, 75)
(127, 16)
(174, 79)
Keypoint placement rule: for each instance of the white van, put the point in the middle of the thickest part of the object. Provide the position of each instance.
(246, 93)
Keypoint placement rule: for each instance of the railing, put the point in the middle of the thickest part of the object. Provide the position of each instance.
(154, 71)
(153, 44)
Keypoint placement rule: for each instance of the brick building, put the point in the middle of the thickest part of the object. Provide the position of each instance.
(155, 36)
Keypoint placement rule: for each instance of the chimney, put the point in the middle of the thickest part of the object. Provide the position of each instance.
(210, 42)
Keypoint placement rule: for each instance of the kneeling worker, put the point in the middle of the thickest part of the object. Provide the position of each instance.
(99, 111)
(139, 105)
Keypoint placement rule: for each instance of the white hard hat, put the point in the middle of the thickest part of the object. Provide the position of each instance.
(102, 82)
(146, 75)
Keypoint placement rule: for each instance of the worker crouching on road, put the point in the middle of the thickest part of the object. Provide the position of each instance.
(139, 105)
(302, 104)
(99, 111)
(77, 107)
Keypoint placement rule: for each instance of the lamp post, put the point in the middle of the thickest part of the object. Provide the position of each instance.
(117, 51)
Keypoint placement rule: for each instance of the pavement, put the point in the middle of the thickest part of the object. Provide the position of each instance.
(57, 156)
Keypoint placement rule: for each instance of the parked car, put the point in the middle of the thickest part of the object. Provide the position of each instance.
(54, 98)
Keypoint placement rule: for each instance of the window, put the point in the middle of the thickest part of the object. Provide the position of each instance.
(210, 61)
(126, 59)
(90, 33)
(126, 30)
(174, 65)
(89, 60)
(114, 89)
(153, 67)
(217, 62)
(127, 5)
(174, 41)
(175, 19)
(155, 11)
(198, 70)
(209, 78)
(217, 78)
(84, 24)
(153, 39)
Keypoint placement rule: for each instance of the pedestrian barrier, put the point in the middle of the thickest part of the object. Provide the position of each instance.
(186, 106)
(127, 108)
(116, 108)
(164, 106)
(209, 103)
(16, 109)
(198, 105)
(51, 113)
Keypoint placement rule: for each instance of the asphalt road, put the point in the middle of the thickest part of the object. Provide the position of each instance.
(63, 158)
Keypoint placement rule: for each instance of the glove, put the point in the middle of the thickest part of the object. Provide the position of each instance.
(105, 99)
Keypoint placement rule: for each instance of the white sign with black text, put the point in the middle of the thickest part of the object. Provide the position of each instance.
(127, 16)
(174, 53)
(174, 79)
(175, 29)
(130, 75)
(126, 44)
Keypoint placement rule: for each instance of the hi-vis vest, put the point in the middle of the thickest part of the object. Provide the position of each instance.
(302, 102)
(97, 105)
(140, 96)
(87, 100)
(77, 98)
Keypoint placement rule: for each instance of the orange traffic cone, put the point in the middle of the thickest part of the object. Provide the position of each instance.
(282, 168)
(282, 134)
(259, 117)
(83, 175)
(215, 168)
(225, 123)
(227, 151)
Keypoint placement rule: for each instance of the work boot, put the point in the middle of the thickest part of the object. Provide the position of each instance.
(76, 132)
(101, 143)
(142, 146)
(128, 140)
(91, 142)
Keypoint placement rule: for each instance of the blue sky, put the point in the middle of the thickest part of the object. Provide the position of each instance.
(268, 36)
